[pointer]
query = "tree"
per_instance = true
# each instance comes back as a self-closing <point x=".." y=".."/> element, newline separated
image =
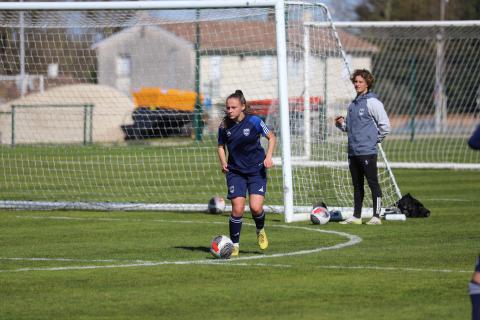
<point x="457" y="51"/>
<point x="402" y="10"/>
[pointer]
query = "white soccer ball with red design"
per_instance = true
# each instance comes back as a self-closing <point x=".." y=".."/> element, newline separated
<point x="216" y="205"/>
<point x="221" y="247"/>
<point x="319" y="215"/>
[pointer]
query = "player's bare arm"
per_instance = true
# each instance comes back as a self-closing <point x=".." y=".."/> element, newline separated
<point x="222" y="157"/>
<point x="272" y="140"/>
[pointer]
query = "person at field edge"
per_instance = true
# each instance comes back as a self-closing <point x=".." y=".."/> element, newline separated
<point x="474" y="289"/>
<point x="366" y="124"/>
<point x="245" y="169"/>
<point x="474" y="141"/>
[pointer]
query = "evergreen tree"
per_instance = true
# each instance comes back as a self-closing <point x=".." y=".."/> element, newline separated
<point x="408" y="10"/>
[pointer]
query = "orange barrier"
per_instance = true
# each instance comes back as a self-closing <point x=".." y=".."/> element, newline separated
<point x="158" y="98"/>
<point x="267" y="106"/>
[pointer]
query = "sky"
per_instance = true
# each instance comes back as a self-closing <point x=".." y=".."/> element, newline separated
<point x="342" y="10"/>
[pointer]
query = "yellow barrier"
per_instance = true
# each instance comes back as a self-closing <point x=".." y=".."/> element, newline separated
<point x="155" y="98"/>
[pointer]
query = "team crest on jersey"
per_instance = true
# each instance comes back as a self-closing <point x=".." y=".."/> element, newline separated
<point x="246" y="132"/>
<point x="229" y="133"/>
<point x="361" y="111"/>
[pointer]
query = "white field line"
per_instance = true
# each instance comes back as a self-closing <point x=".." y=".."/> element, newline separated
<point x="449" y="200"/>
<point x="408" y="269"/>
<point x="232" y="263"/>
<point x="72" y="260"/>
<point x="146" y="264"/>
<point x="352" y="240"/>
<point x="394" y="269"/>
<point x="235" y="262"/>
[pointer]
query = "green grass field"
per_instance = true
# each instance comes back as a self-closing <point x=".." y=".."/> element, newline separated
<point x="170" y="170"/>
<point x="146" y="265"/>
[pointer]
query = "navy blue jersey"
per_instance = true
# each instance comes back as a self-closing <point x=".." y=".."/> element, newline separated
<point x="245" y="154"/>
<point x="474" y="141"/>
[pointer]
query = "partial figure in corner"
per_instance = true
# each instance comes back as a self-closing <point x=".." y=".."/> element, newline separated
<point x="474" y="290"/>
<point x="474" y="141"/>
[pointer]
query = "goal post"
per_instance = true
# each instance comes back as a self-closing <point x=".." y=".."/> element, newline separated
<point x="141" y="64"/>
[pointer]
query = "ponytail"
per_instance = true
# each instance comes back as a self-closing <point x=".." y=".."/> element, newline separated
<point x="238" y="94"/>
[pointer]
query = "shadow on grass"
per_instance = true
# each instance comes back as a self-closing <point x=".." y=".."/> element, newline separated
<point x="199" y="248"/>
<point x="207" y="249"/>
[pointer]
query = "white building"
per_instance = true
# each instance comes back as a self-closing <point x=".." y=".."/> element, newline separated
<point x="145" y="56"/>
<point x="234" y="55"/>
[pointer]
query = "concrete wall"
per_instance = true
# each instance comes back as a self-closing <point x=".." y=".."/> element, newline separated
<point x="251" y="76"/>
<point x="45" y="125"/>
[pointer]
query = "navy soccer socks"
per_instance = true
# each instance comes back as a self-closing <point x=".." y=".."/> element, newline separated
<point x="259" y="221"/>
<point x="235" y="225"/>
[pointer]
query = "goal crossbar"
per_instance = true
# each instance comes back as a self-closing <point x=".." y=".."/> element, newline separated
<point x="399" y="24"/>
<point x="136" y="5"/>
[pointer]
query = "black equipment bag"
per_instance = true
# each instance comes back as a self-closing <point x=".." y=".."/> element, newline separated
<point x="411" y="207"/>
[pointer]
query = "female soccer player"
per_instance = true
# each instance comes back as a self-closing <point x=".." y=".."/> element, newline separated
<point x="246" y="167"/>
<point x="366" y="124"/>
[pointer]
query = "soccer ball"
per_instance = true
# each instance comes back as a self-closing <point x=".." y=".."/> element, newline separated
<point x="319" y="215"/>
<point x="221" y="247"/>
<point x="216" y="205"/>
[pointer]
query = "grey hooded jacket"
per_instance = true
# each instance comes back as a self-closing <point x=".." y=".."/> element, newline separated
<point x="366" y="124"/>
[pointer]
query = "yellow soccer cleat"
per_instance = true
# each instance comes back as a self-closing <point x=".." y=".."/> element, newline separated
<point x="262" y="239"/>
<point x="374" y="221"/>
<point x="351" y="220"/>
<point x="235" y="251"/>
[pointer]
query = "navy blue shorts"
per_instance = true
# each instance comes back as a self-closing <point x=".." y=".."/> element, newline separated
<point x="239" y="183"/>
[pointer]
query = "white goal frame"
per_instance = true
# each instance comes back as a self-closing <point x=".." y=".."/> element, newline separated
<point x="279" y="7"/>
<point x="283" y="99"/>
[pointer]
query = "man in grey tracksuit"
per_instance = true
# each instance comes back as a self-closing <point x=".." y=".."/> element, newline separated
<point x="366" y="125"/>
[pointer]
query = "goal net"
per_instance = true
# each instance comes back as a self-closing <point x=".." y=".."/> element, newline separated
<point x="131" y="100"/>
<point x="426" y="74"/>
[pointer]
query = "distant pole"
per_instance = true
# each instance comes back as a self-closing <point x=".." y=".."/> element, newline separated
<point x="324" y="104"/>
<point x="306" y="94"/>
<point x="197" y="121"/>
<point x="440" y="98"/>
<point x="22" y="54"/>
<point x="413" y="96"/>
<point x="443" y="5"/>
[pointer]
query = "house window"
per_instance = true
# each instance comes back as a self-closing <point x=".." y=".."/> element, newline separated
<point x="294" y="67"/>
<point x="123" y="70"/>
<point x="215" y="67"/>
<point x="215" y="75"/>
<point x="267" y="66"/>
<point x="123" y="65"/>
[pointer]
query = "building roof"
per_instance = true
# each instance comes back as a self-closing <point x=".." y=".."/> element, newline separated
<point x="252" y="37"/>
<point x="131" y="32"/>
<point x="259" y="36"/>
